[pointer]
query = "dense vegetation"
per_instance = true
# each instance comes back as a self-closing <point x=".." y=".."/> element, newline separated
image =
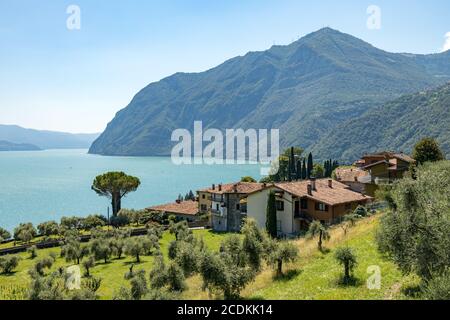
<point x="397" y="125"/>
<point x="305" y="89"/>
<point x="416" y="231"/>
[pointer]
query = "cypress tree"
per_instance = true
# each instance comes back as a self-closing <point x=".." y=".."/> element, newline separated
<point x="310" y="165"/>
<point x="304" y="169"/>
<point x="271" y="216"/>
<point x="298" y="170"/>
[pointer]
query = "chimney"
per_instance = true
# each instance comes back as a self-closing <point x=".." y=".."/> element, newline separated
<point x="264" y="184"/>
<point x="178" y="201"/>
<point x="313" y="184"/>
<point x="356" y="179"/>
<point x="214" y="186"/>
<point x="220" y="187"/>
<point x="235" y="190"/>
<point x="330" y="183"/>
<point x="309" y="189"/>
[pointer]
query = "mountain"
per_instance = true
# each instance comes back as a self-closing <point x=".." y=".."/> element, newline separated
<point x="396" y="125"/>
<point x="9" y="146"/>
<point x="46" y="139"/>
<point x="305" y="89"/>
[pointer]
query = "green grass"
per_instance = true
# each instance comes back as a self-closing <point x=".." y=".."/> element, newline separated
<point x="112" y="273"/>
<point x="316" y="275"/>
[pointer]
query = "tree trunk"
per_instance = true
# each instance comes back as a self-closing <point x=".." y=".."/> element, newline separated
<point x="279" y="267"/>
<point x="138" y="258"/>
<point x="347" y="271"/>
<point x="320" y="240"/>
<point x="116" y="203"/>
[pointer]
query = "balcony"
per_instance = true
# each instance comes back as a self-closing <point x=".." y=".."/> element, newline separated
<point x="302" y="215"/>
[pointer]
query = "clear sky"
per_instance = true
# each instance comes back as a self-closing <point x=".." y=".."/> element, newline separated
<point x="76" y="80"/>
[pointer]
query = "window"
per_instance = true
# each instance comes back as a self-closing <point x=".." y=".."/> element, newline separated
<point x="304" y="204"/>
<point x="321" y="206"/>
<point x="279" y="225"/>
<point x="280" y="205"/>
<point x="217" y="207"/>
<point x="203" y="207"/>
<point x="203" y="196"/>
<point x="238" y="206"/>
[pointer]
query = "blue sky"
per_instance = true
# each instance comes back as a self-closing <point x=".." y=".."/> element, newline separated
<point x="76" y="80"/>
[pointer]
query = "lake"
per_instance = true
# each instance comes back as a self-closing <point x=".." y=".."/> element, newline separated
<point x="38" y="186"/>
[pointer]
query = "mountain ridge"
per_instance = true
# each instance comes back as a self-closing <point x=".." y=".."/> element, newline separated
<point x="397" y="125"/>
<point x="305" y="89"/>
<point x="45" y="139"/>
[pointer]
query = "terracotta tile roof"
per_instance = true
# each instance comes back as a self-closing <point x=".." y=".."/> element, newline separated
<point x="338" y="194"/>
<point x="350" y="174"/>
<point x="404" y="157"/>
<point x="188" y="207"/>
<point x="239" y="187"/>
<point x="389" y="155"/>
<point x="377" y="163"/>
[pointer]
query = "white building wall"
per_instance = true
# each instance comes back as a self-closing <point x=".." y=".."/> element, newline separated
<point x="257" y="207"/>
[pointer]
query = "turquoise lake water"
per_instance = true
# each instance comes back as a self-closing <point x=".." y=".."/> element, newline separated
<point x="46" y="185"/>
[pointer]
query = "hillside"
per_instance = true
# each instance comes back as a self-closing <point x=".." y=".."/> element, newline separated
<point x="314" y="275"/>
<point x="9" y="146"/>
<point x="397" y="125"/>
<point x="45" y="139"/>
<point x="305" y="89"/>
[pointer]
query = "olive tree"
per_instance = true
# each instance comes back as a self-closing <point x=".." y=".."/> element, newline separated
<point x="48" y="228"/>
<point x="25" y="232"/>
<point x="74" y="250"/>
<point x="414" y="233"/>
<point x="88" y="264"/>
<point x="347" y="259"/>
<point x="317" y="229"/>
<point x="135" y="247"/>
<point x="42" y="264"/>
<point x="281" y="252"/>
<point x="4" y="234"/>
<point x="8" y="263"/>
<point x="101" y="249"/>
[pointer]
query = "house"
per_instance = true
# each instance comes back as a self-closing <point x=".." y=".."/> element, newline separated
<point x="183" y="210"/>
<point x="299" y="203"/>
<point x="227" y="204"/>
<point x="382" y="168"/>
<point x="352" y="177"/>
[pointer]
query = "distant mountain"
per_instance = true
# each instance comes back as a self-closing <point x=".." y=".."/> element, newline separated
<point x="396" y="125"/>
<point x="305" y="89"/>
<point x="46" y="139"/>
<point x="9" y="146"/>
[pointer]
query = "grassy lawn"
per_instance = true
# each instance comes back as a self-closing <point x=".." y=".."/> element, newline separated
<point x="314" y="276"/>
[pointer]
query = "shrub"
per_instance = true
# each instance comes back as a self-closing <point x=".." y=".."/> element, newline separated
<point x="32" y="251"/>
<point x="414" y="234"/>
<point x="48" y="228"/>
<point x="43" y="263"/>
<point x="25" y="232"/>
<point x="438" y="288"/>
<point x="4" y="234"/>
<point x="8" y="263"/>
